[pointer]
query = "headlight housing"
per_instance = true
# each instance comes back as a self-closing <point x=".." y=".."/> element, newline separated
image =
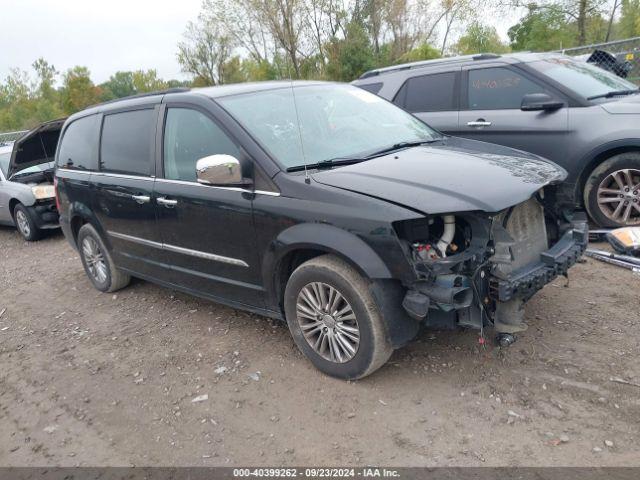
<point x="43" y="191"/>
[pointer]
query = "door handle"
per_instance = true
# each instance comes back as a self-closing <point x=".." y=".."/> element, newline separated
<point x="479" y="123"/>
<point x="166" y="202"/>
<point x="141" y="198"/>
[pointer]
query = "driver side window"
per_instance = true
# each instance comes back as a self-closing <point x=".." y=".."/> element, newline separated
<point x="498" y="88"/>
<point x="189" y="135"/>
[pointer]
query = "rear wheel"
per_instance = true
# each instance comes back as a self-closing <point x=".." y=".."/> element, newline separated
<point x="612" y="193"/>
<point x="25" y="223"/>
<point x="334" y="319"/>
<point x="97" y="262"/>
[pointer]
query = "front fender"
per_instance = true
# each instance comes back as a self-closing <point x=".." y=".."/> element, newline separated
<point x="327" y="238"/>
<point x="20" y="192"/>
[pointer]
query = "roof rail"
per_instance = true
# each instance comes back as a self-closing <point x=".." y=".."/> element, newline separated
<point x="486" y="56"/>
<point x="148" y="94"/>
<point x="424" y="63"/>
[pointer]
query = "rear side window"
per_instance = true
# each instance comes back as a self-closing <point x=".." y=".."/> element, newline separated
<point x="371" y="87"/>
<point x="498" y="88"/>
<point x="429" y="93"/>
<point x="189" y="136"/>
<point x="79" y="145"/>
<point x="127" y="140"/>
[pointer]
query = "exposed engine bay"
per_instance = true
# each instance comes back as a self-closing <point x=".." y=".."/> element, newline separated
<point x="476" y="268"/>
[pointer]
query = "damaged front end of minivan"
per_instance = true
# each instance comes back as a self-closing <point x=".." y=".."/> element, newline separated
<point x="477" y="268"/>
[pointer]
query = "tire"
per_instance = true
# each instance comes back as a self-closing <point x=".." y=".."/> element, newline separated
<point x="25" y="223"/>
<point x="330" y="274"/>
<point x="620" y="173"/>
<point x="97" y="262"/>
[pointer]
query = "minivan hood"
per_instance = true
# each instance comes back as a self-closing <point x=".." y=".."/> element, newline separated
<point x="621" y="105"/>
<point x="35" y="147"/>
<point x="455" y="175"/>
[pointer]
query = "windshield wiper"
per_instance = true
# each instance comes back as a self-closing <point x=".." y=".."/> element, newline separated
<point x="361" y="158"/>
<point x="334" y="162"/>
<point x="614" y="93"/>
<point x="399" y="146"/>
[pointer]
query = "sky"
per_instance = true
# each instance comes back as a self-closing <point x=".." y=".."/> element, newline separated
<point x="106" y="35"/>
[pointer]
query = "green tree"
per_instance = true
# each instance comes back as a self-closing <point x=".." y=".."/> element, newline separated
<point x="119" y="85"/>
<point x="480" y="38"/>
<point x="629" y="25"/>
<point x="78" y="91"/>
<point x="46" y="99"/>
<point x="351" y="56"/>
<point x="421" y="52"/>
<point x="542" y="30"/>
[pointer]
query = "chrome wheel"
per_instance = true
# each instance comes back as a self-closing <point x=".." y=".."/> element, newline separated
<point x="328" y="322"/>
<point x="23" y="223"/>
<point x="94" y="259"/>
<point x="619" y="196"/>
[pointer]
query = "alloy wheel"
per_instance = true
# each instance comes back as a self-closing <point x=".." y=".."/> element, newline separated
<point x="619" y="196"/>
<point x="23" y="223"/>
<point x="94" y="259"/>
<point x="328" y="322"/>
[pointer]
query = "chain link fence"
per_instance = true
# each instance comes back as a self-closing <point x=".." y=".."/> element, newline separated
<point x="10" y="137"/>
<point x="621" y="57"/>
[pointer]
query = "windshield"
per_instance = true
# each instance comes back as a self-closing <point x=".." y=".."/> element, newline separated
<point x="4" y="163"/>
<point x="583" y="78"/>
<point x="336" y="121"/>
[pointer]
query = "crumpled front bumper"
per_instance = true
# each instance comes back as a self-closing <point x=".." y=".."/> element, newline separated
<point x="45" y="214"/>
<point x="526" y="281"/>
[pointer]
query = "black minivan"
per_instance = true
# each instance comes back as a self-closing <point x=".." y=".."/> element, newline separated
<point x="317" y="203"/>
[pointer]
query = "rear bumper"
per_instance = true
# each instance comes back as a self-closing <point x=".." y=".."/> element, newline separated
<point x="526" y="281"/>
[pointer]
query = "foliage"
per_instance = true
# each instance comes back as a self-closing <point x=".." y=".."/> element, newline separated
<point x="542" y="30"/>
<point x="630" y="19"/>
<point x="253" y="40"/>
<point x="480" y="38"/>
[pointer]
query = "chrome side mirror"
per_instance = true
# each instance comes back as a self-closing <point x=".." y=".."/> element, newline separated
<point x="223" y="170"/>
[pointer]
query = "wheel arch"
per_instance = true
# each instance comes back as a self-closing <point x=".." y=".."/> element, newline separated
<point x="599" y="155"/>
<point x="12" y="206"/>
<point x="302" y="242"/>
<point x="79" y="215"/>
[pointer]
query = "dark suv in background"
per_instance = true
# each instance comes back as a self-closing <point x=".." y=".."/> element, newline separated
<point x="317" y="203"/>
<point x="580" y="116"/>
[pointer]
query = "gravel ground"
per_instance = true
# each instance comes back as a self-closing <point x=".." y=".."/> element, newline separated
<point x="100" y="379"/>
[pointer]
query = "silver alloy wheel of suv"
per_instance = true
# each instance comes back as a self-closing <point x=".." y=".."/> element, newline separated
<point x="619" y="196"/>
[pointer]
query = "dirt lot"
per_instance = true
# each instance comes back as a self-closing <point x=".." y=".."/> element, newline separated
<point x="98" y="379"/>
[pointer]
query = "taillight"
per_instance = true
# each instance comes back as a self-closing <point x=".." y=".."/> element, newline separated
<point x="55" y="189"/>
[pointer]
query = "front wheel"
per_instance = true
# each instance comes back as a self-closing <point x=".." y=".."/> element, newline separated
<point x="25" y="224"/>
<point x="334" y="319"/>
<point x="612" y="192"/>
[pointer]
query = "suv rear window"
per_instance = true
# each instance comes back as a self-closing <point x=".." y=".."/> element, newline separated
<point x="78" y="149"/>
<point x="126" y="143"/>
<point x="498" y="88"/>
<point x="428" y="93"/>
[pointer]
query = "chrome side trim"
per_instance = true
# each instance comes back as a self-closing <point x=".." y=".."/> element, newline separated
<point x="232" y="189"/>
<point x="176" y="249"/>
<point x="108" y="174"/>
<point x="205" y="255"/>
<point x="166" y="180"/>
<point x="121" y="175"/>
<point x="84" y="172"/>
<point x="131" y="238"/>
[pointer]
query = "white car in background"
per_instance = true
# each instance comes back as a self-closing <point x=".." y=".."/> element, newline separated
<point x="27" y="195"/>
